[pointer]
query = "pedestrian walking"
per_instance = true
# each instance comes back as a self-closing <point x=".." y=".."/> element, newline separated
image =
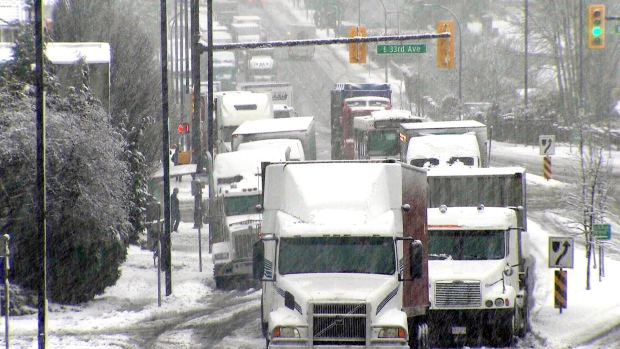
<point x="175" y="210"/>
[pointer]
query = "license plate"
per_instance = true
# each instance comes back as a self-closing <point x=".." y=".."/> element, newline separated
<point x="459" y="330"/>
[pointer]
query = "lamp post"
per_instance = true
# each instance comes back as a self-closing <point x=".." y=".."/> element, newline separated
<point x="460" y="56"/>
<point x="385" y="33"/>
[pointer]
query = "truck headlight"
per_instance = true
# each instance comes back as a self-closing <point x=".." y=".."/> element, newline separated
<point x="392" y="332"/>
<point x="223" y="255"/>
<point x="285" y="332"/>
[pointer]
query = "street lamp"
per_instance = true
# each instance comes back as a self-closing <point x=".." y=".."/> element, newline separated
<point x="460" y="56"/>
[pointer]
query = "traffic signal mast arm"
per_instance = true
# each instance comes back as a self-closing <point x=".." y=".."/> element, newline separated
<point x="311" y="42"/>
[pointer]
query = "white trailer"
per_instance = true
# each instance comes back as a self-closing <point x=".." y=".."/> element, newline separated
<point x="479" y="260"/>
<point x="342" y="257"/>
<point x="281" y="92"/>
<point x="301" y="128"/>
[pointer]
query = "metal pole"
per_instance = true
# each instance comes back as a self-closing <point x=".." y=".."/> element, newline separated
<point x="385" y="33"/>
<point x="7" y="296"/>
<point x="196" y="122"/>
<point x="526" y="34"/>
<point x="187" y="41"/>
<point x="166" y="252"/>
<point x="41" y="256"/>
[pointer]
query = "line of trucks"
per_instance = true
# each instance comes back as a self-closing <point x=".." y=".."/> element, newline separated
<point x="376" y="250"/>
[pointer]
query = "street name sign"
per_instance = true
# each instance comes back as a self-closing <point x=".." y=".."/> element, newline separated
<point x="383" y="49"/>
<point x="601" y="231"/>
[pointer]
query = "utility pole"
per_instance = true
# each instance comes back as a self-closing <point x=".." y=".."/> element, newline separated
<point x="41" y="255"/>
<point x="196" y="122"/>
<point x="166" y="250"/>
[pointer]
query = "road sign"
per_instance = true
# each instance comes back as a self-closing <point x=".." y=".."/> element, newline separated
<point x="561" y="289"/>
<point x="561" y="252"/>
<point x="601" y="231"/>
<point x="405" y="48"/>
<point x="546" y="144"/>
<point x="617" y="29"/>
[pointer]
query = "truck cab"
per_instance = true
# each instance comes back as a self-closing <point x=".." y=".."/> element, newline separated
<point x="232" y="108"/>
<point x="444" y="150"/>
<point x="479" y="256"/>
<point x="339" y="258"/>
<point x="356" y="107"/>
<point x="232" y="212"/>
<point x="301" y="31"/>
<point x="261" y="65"/>
<point x="475" y="259"/>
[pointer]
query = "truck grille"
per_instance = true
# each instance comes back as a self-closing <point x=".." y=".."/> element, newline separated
<point x="339" y="324"/>
<point x="243" y="242"/>
<point x="457" y="294"/>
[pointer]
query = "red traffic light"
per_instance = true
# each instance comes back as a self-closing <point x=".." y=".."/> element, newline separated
<point x="183" y="127"/>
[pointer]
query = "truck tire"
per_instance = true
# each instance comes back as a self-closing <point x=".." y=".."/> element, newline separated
<point x="420" y="337"/>
<point x="504" y="336"/>
<point x="221" y="282"/>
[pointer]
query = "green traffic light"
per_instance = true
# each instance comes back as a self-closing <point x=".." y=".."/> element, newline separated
<point x="596" y="31"/>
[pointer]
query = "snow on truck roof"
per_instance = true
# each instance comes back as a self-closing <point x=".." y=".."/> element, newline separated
<point x="488" y="171"/>
<point x="464" y="218"/>
<point x="464" y="144"/>
<point x="347" y="194"/>
<point x="443" y="124"/>
<point x="246" y="161"/>
<point x="274" y="125"/>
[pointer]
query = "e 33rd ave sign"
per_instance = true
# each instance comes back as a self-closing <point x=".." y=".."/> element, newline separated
<point x="405" y="48"/>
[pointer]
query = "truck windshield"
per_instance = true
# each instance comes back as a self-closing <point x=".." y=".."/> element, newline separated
<point x="383" y="143"/>
<point x="238" y="205"/>
<point x="466" y="244"/>
<point x="367" y="255"/>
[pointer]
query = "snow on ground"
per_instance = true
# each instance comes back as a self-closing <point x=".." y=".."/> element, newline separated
<point x="135" y="297"/>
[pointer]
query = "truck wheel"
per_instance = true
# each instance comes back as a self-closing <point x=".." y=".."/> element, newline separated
<point x="420" y="338"/>
<point x="524" y="313"/>
<point x="220" y="282"/>
<point x="505" y="332"/>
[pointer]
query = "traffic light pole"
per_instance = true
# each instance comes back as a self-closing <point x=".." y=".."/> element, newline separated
<point x="166" y="252"/>
<point x="196" y="100"/>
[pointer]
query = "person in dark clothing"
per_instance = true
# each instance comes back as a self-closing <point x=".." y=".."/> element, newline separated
<point x="175" y="211"/>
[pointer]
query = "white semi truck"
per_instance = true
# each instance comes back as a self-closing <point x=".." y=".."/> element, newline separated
<point x="261" y="64"/>
<point x="342" y="256"/>
<point x="479" y="260"/>
<point x="444" y="143"/>
<point x="232" y="213"/>
<point x="232" y="108"/>
<point x="301" y="128"/>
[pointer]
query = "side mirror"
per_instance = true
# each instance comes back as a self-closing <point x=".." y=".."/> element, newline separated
<point x="258" y="260"/>
<point x="415" y="259"/>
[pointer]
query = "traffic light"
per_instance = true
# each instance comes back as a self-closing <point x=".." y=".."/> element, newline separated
<point x="357" y="50"/>
<point x="183" y="127"/>
<point x="445" y="46"/>
<point x="596" y="26"/>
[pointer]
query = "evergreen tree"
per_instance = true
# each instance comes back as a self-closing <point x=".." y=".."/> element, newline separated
<point x="87" y="220"/>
